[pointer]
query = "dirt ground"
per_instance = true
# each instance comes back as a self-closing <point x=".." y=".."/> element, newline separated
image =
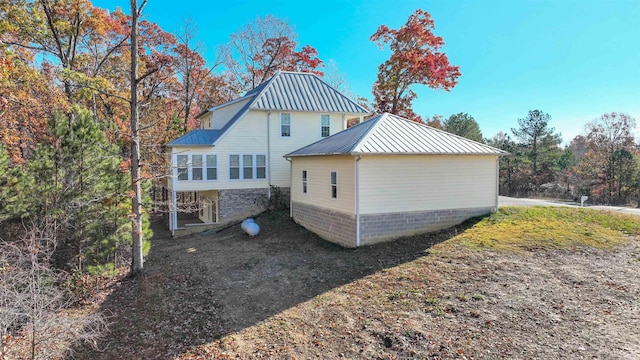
<point x="288" y="294"/>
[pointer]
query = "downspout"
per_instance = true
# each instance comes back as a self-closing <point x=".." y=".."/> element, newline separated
<point x="290" y="187"/>
<point x="357" y="192"/>
<point x="269" y="154"/>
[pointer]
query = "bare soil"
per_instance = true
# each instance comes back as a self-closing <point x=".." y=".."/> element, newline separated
<point x="288" y="294"/>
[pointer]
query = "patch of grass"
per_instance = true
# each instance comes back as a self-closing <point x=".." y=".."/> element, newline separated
<point x="547" y="228"/>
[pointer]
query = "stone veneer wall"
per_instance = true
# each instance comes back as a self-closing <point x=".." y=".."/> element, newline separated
<point x="330" y="225"/>
<point x="381" y="227"/>
<point x="237" y="204"/>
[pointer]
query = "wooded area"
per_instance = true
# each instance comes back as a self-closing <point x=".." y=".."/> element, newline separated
<point x="84" y="120"/>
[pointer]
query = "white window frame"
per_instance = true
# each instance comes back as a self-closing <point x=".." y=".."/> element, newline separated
<point x="334" y="186"/>
<point x="178" y="167"/>
<point x="323" y="126"/>
<point x="305" y="178"/>
<point x="282" y="124"/>
<point x="254" y="167"/>
<point x="204" y="166"/>
<point x="193" y="167"/>
<point x="255" y="162"/>
<point x="208" y="166"/>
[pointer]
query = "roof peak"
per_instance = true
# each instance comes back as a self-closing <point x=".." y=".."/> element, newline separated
<point x="387" y="133"/>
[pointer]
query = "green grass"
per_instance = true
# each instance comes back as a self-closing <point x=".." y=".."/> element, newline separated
<point x="547" y="228"/>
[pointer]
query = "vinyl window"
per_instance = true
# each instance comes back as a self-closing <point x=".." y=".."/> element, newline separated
<point x="234" y="167"/>
<point x="183" y="167"/>
<point x="261" y="166"/>
<point x="247" y="166"/>
<point x="285" y="124"/>
<point x="304" y="181"/>
<point x="212" y="167"/>
<point x="325" y="125"/>
<point x="334" y="185"/>
<point x="196" y="167"/>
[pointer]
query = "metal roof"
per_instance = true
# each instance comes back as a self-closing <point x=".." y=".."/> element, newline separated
<point x="285" y="91"/>
<point x="391" y="134"/>
<point x="198" y="137"/>
<point x="297" y="91"/>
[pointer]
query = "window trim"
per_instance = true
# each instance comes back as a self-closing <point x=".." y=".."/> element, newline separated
<point x="193" y="167"/>
<point x="328" y="126"/>
<point x="254" y="166"/>
<point x="207" y="166"/>
<point x="178" y="167"/>
<point x="334" y="186"/>
<point x="281" y="125"/>
<point x="304" y="181"/>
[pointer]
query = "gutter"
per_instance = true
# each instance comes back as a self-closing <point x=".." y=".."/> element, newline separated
<point x="357" y="199"/>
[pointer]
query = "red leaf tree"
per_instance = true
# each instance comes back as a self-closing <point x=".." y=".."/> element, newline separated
<point x="416" y="58"/>
<point x="263" y="47"/>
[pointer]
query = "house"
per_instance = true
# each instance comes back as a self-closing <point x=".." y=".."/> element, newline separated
<point x="390" y="177"/>
<point x="220" y="172"/>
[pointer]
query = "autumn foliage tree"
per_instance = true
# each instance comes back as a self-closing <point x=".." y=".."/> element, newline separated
<point x="610" y="163"/>
<point x="416" y="58"/>
<point x="268" y="44"/>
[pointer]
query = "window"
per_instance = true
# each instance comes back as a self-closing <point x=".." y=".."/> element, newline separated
<point x="253" y="166"/>
<point x="304" y="181"/>
<point x="261" y="166"/>
<point x="183" y="167"/>
<point x="234" y="166"/>
<point x="334" y="185"/>
<point x="196" y="167"/>
<point x="285" y="124"/>
<point x="212" y="167"/>
<point x="247" y="166"/>
<point x="325" y="125"/>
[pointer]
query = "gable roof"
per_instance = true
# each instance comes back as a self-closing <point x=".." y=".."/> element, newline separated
<point x="296" y="91"/>
<point x="284" y="91"/>
<point x="391" y="134"/>
<point x="198" y="137"/>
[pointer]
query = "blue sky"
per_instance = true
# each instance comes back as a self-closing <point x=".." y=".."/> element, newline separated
<point x="574" y="59"/>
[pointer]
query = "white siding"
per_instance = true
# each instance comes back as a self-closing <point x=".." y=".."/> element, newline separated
<point x="403" y="183"/>
<point x="249" y="136"/>
<point x="206" y="121"/>
<point x="222" y="115"/>
<point x="246" y="137"/>
<point x="319" y="170"/>
<point x="305" y="129"/>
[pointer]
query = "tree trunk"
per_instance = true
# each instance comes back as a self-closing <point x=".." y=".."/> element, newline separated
<point x="136" y="200"/>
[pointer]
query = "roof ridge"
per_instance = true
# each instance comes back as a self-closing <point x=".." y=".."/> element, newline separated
<point x="447" y="133"/>
<point x="340" y="93"/>
<point x="367" y="133"/>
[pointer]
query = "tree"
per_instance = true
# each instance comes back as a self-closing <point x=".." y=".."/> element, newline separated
<point x="135" y="167"/>
<point x="192" y="71"/>
<point x="611" y="157"/>
<point x="435" y="122"/>
<point x="509" y="164"/>
<point x="416" y="58"/>
<point x="464" y="125"/>
<point x="263" y="47"/>
<point x="536" y="135"/>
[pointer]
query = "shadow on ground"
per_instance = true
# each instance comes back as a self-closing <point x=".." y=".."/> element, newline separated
<point x="198" y="289"/>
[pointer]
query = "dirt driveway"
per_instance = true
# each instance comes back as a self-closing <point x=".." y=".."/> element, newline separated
<point x="288" y="294"/>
